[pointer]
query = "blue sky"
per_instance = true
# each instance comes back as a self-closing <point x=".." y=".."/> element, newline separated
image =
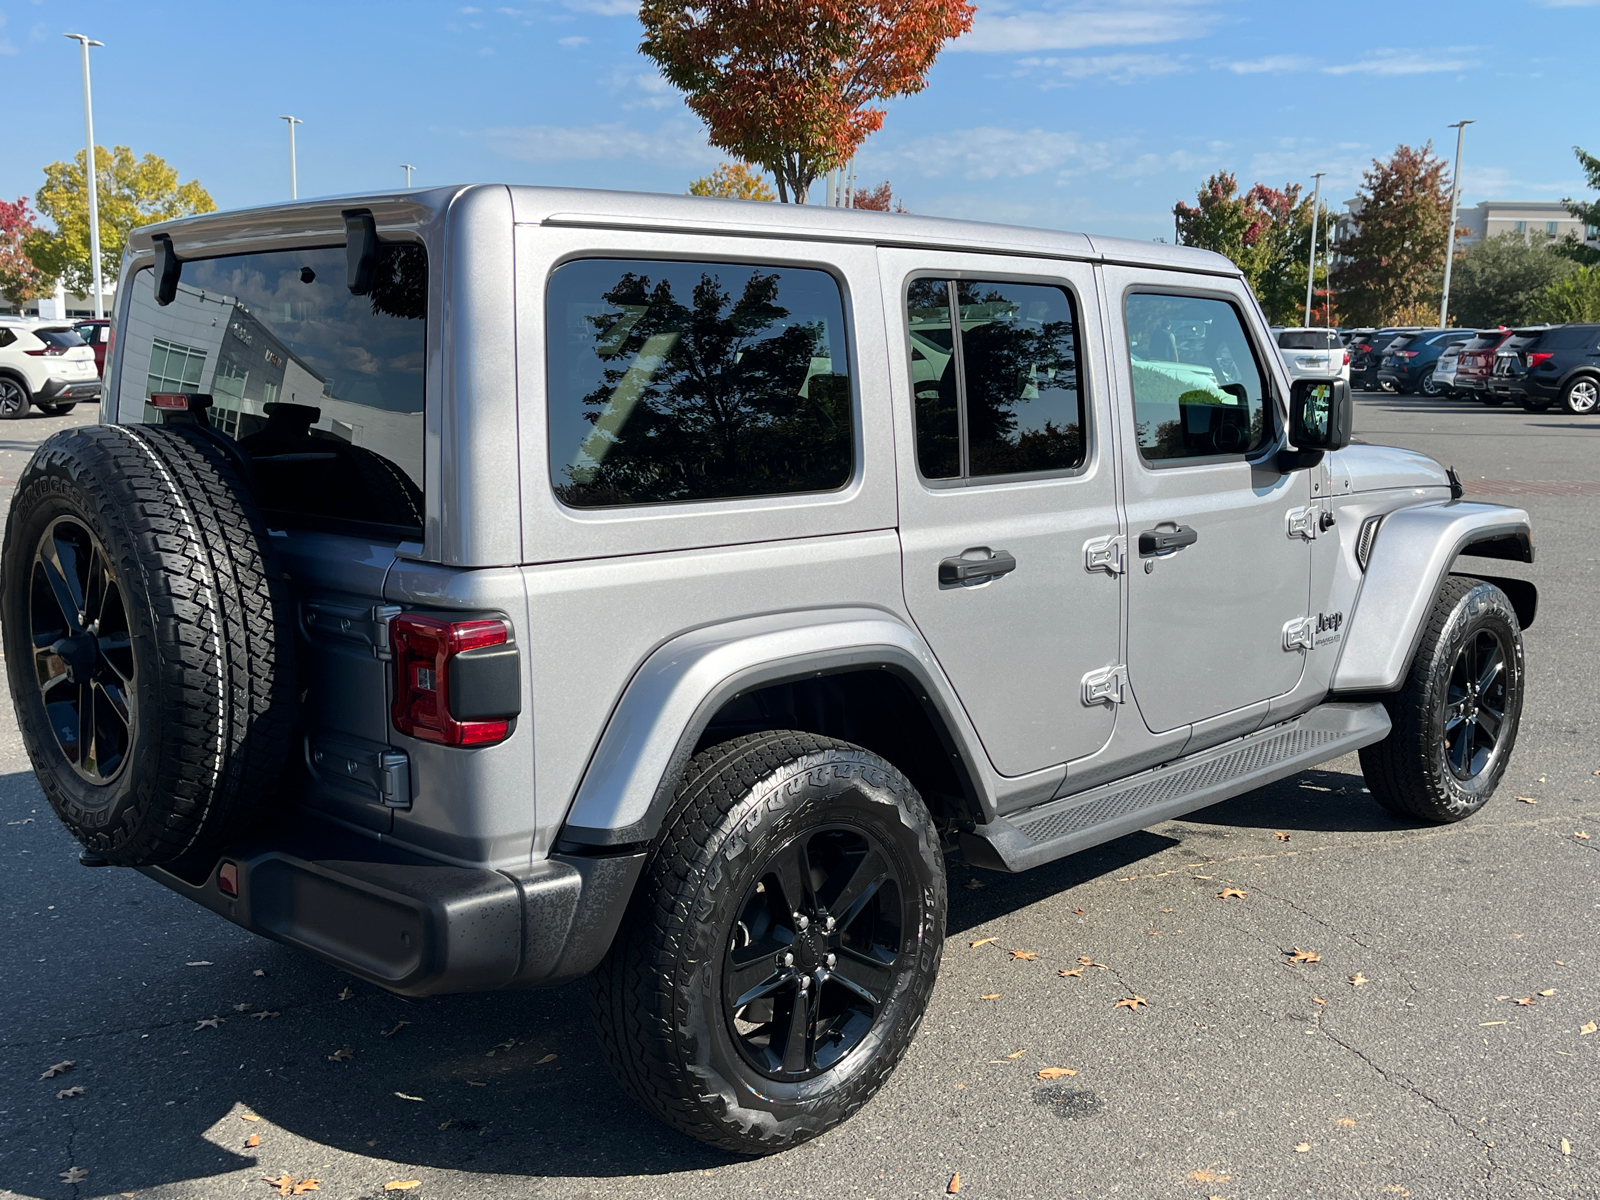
<point x="1074" y="114"/>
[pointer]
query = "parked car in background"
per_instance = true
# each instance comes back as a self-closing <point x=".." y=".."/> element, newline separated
<point x="1365" y="353"/>
<point x="1505" y="382"/>
<point x="1476" y="361"/>
<point x="1351" y="336"/>
<point x="96" y="331"/>
<point x="1308" y="353"/>
<point x="1408" y="361"/>
<point x="1444" y="371"/>
<point x="49" y="367"/>
<point x="1537" y="368"/>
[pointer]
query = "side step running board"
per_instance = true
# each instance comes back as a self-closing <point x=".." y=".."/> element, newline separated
<point x="1060" y="827"/>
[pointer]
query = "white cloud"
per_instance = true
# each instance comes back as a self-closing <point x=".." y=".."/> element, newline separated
<point x="1272" y="64"/>
<point x="673" y="143"/>
<point x="1392" y="62"/>
<point x="1117" y="68"/>
<point x="1001" y="29"/>
<point x="568" y="42"/>
<point x="604" y="8"/>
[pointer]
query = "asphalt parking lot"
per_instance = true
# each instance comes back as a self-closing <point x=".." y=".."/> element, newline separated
<point x="1433" y="1048"/>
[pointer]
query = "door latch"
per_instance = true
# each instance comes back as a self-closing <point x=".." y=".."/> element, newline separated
<point x="1105" y="686"/>
<point x="1303" y="522"/>
<point x="1299" y="634"/>
<point x="1105" y="554"/>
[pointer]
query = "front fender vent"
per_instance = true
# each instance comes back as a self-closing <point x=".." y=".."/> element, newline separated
<point x="1366" y="538"/>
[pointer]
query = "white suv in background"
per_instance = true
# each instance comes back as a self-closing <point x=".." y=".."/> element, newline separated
<point x="47" y="365"/>
<point x="1308" y="353"/>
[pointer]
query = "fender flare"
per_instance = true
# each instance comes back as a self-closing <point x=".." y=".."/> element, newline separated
<point x="670" y="700"/>
<point x="1413" y="555"/>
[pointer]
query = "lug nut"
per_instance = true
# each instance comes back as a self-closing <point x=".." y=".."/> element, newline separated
<point x="831" y="960"/>
<point x="803" y="922"/>
<point x="829" y="925"/>
<point x="805" y="983"/>
<point x="788" y="960"/>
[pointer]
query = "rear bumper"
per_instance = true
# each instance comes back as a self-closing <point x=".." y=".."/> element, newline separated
<point x="68" y="391"/>
<point x="415" y="926"/>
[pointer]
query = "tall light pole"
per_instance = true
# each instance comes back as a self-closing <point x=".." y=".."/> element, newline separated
<point x="408" y="169"/>
<point x="1311" y="267"/>
<point x="294" y="183"/>
<point x="1450" y="239"/>
<point x="90" y="178"/>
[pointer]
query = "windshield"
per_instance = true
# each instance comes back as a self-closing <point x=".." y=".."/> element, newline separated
<point x="1308" y="339"/>
<point x="324" y="389"/>
<point x="61" y="339"/>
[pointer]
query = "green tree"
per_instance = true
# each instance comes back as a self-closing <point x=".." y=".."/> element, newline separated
<point x="733" y="181"/>
<point x="1572" y="245"/>
<point x="1265" y="231"/>
<point x="1394" y="264"/>
<point x="1502" y="280"/>
<point x="21" y="279"/>
<point x="132" y="192"/>
<point x="1575" y="298"/>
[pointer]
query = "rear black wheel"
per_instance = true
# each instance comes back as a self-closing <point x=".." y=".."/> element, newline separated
<point x="1454" y="722"/>
<point x="14" y="398"/>
<point x="58" y="410"/>
<point x="781" y="947"/>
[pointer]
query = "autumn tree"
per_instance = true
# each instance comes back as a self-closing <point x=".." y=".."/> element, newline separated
<point x="790" y="84"/>
<point x="1393" y="265"/>
<point x="132" y="192"/>
<point x="878" y="199"/>
<point x="20" y="279"/>
<point x="1589" y="213"/>
<point x="733" y="181"/>
<point x="1265" y="231"/>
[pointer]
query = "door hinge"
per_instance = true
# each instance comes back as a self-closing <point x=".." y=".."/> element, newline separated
<point x="1105" y="686"/>
<point x="1303" y="521"/>
<point x="1299" y="634"/>
<point x="380" y="776"/>
<point x="381" y="616"/>
<point x="1105" y="554"/>
<point x="348" y="623"/>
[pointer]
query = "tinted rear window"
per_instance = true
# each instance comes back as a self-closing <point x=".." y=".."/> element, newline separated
<point x="675" y="381"/>
<point x="1400" y="343"/>
<point x="322" y="388"/>
<point x="1572" y="337"/>
<point x="1484" y="341"/>
<point x="1308" y="339"/>
<point x="63" y="339"/>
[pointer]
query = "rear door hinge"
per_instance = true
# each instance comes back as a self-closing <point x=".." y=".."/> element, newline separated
<point x="382" y="614"/>
<point x="1108" y="685"/>
<point x="1303" y="521"/>
<point x="1105" y="554"/>
<point x="1299" y="634"/>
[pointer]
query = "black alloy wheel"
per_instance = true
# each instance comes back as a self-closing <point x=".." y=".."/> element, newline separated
<point x="815" y="953"/>
<point x="13" y="399"/>
<point x="1475" y="705"/>
<point x="82" y="651"/>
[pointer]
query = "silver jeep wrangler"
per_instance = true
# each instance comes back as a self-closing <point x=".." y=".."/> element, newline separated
<point x="485" y="587"/>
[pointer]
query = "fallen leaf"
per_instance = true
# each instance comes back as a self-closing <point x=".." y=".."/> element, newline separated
<point x="1502" y="997"/>
<point x="343" y="1054"/>
<point x="983" y="942"/>
<point x="1077" y="912"/>
<point x="1076" y="972"/>
<point x="1346" y="1123"/>
<point x="1306" y="956"/>
<point x="1089" y="962"/>
<point x="1166" y="910"/>
<point x="259" y="973"/>
<point x="403" y="1096"/>
<point x="264" y="1014"/>
<point x="74" y="1175"/>
<point x="1282" y="837"/>
<point x="1231" y="893"/>
<point x="1523" y="1002"/>
<point x="1055" y="1072"/>
<point x="1318" y="1000"/>
<point x="251" y="1142"/>
<point x="508" y="1044"/>
<point x="1548" y="992"/>
<point x="1486" y="1024"/>
<point x="202" y="963"/>
<point x="1132" y="1002"/>
<point x="306" y="1185"/>
<point x="1587" y="1028"/>
<point x="1302" y="1147"/>
<point x="241" y="1008"/>
<point x="1581" y="835"/>
<point x="248" y="1117"/>
<point x="1016" y="1054"/>
<point x="1206" y="1175"/>
<point x="972" y="884"/>
<point x="1566" y="1147"/>
<point x="1359" y="980"/>
<point x="955" y="1184"/>
<point x="71" y="1091"/>
<point x="60" y="1068"/>
<point x="447" y="1122"/>
<point x="347" y="994"/>
<point x="1025" y="955"/>
<point x="210" y="1023"/>
<point x="548" y="1058"/>
<point x="1527" y="799"/>
<point x="282" y="1183"/>
<point x="475" y="1083"/>
<point x="990" y="996"/>
<point x="402" y="1185"/>
<point x="398" y="1026"/>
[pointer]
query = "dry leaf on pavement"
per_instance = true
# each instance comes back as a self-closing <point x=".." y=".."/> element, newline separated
<point x="248" y="1117"/>
<point x="347" y="994"/>
<point x="990" y="996"/>
<point x="548" y="1058"/>
<point x="264" y="1014"/>
<point x="343" y="1054"/>
<point x="241" y="1008"/>
<point x="64" y="1093"/>
<point x="414" y="1099"/>
<point x="259" y="973"/>
<point x="1085" y="961"/>
<point x="1132" y="1002"/>
<point x="972" y="885"/>
<point x="1077" y="912"/>
<point x="74" y="1175"/>
<point x="1016" y="1054"/>
<point x="1076" y="972"/>
<point x="1566" y="1147"/>
<point x="1548" y="992"/>
<point x="1319" y="1000"/>
<point x="1527" y="799"/>
<point x="210" y="1023"/>
<point x="1302" y="1147"/>
<point x="1587" y="1028"/>
<point x="1282" y="837"/>
<point x="1523" y="1002"/>
<point x="251" y="1142"/>
<point x="402" y="1185"/>
<point x="982" y="942"/>
<point x="60" y="1068"/>
<point x="1581" y="834"/>
<point x="398" y="1026"/>
<point x="955" y="1184"/>
<point x="1055" y="1072"/>
<point x="1231" y="893"/>
<point x="204" y="962"/>
<point x="1306" y="956"/>
<point x="1025" y="955"/>
<point x="1358" y="979"/>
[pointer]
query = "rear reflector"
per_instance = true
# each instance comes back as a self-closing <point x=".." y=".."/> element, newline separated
<point x="180" y="401"/>
<point x="228" y="879"/>
<point x="424" y="648"/>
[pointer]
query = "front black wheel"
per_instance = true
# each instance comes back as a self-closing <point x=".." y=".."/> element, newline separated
<point x="782" y="945"/>
<point x="1455" y="720"/>
<point x="57" y="410"/>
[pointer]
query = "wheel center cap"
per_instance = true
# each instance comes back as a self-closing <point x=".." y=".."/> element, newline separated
<point x="79" y="653"/>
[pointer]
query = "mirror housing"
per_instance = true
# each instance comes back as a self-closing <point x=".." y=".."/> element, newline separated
<point x="168" y="267"/>
<point x="1320" y="412"/>
<point x="360" y="250"/>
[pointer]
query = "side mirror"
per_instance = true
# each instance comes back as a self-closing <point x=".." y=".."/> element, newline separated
<point x="1320" y="412"/>
<point x="167" y="269"/>
<point x="360" y="250"/>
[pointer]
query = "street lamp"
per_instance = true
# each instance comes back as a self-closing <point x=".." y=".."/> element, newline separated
<point x="408" y="169"/>
<point x="1311" y="268"/>
<point x="90" y="178"/>
<point x="294" y="184"/>
<point x="1450" y="239"/>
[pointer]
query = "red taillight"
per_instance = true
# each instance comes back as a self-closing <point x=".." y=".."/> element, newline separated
<point x="1347" y="358"/>
<point x="1535" y="359"/>
<point x="423" y="648"/>
<point x="47" y="352"/>
<point x="1364" y="348"/>
<point x="1406" y="353"/>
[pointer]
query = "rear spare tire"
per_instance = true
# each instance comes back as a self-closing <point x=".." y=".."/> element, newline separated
<point x="148" y="640"/>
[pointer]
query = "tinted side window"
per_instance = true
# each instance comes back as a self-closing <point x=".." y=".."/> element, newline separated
<point x="1197" y="390"/>
<point x="673" y="381"/>
<point x="997" y="391"/>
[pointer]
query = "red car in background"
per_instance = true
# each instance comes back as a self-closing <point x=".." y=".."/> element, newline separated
<point x="97" y="333"/>
<point x="1476" y="364"/>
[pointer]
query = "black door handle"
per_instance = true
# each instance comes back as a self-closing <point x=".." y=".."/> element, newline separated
<point x="1156" y="541"/>
<point x="968" y="570"/>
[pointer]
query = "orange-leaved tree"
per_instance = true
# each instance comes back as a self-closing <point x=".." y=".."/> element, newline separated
<point x="789" y="84"/>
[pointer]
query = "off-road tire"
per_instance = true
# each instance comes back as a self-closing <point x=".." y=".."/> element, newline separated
<point x="658" y="996"/>
<point x="1581" y="397"/>
<point x="209" y="634"/>
<point x="1407" y="772"/>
